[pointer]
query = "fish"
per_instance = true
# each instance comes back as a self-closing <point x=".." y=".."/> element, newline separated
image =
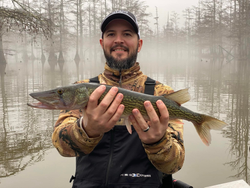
<point x="76" y="97"/>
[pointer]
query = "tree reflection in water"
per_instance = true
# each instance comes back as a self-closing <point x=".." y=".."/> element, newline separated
<point x="225" y="91"/>
<point x="221" y="90"/>
<point x="25" y="134"/>
<point x="238" y="131"/>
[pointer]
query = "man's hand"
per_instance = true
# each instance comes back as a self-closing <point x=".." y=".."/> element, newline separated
<point x="100" y="118"/>
<point x="157" y="125"/>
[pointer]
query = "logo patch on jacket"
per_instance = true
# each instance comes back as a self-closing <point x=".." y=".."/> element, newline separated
<point x="136" y="175"/>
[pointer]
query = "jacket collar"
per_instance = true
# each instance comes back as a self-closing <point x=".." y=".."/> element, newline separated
<point x="125" y="75"/>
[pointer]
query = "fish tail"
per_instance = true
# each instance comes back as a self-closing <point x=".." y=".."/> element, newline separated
<point x="128" y="125"/>
<point x="206" y="125"/>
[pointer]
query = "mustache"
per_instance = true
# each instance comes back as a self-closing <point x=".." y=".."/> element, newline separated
<point x="121" y="46"/>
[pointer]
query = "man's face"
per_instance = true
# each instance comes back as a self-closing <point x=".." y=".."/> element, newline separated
<point x="120" y="44"/>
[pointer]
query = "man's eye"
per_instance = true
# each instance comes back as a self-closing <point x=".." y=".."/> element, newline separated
<point x="110" y="34"/>
<point x="127" y="34"/>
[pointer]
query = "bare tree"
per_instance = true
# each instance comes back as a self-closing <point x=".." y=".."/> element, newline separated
<point x="21" y="19"/>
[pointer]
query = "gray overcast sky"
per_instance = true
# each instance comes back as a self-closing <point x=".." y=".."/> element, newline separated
<point x="165" y="6"/>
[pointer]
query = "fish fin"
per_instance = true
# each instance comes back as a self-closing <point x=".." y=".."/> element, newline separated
<point x="128" y="125"/>
<point x="176" y="121"/>
<point x="180" y="96"/>
<point x="207" y="124"/>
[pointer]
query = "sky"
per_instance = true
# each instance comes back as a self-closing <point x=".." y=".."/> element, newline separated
<point x="164" y="8"/>
<point x="167" y="6"/>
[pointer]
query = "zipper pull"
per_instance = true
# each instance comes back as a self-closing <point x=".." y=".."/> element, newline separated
<point x="120" y="81"/>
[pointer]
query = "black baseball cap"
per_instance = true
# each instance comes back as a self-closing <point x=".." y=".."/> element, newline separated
<point x="121" y="14"/>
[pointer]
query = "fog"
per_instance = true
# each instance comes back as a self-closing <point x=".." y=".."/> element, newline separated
<point x="200" y="45"/>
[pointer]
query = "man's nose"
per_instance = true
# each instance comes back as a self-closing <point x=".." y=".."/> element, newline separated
<point x="119" y="39"/>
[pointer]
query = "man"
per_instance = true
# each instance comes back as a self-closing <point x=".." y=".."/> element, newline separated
<point x="107" y="155"/>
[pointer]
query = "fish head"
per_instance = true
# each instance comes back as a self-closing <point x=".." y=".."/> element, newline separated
<point x="61" y="98"/>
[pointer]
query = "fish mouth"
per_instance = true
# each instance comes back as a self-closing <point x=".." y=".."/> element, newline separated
<point x="46" y="100"/>
<point x="41" y="105"/>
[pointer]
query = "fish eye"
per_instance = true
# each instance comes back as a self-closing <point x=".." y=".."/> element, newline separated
<point x="60" y="92"/>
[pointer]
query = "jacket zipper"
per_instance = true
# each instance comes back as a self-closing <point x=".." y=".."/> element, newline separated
<point x="110" y="155"/>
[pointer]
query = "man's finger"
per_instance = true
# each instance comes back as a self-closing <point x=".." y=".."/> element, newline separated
<point x="114" y="105"/>
<point x="164" y="115"/>
<point x="117" y="114"/>
<point x="107" y="100"/>
<point x="139" y="121"/>
<point x="135" y="124"/>
<point x="154" y="118"/>
<point x="93" y="98"/>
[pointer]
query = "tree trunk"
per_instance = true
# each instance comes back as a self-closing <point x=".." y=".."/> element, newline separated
<point x="2" y="58"/>
<point x="60" y="57"/>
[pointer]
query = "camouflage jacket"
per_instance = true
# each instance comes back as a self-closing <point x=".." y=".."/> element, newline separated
<point x="70" y="140"/>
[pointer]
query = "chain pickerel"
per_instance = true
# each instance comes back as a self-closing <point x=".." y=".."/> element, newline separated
<point x="76" y="97"/>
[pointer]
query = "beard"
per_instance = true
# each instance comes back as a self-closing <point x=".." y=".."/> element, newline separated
<point x="121" y="64"/>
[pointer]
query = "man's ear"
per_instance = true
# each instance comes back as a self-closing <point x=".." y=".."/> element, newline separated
<point x="140" y="42"/>
<point x="101" y="42"/>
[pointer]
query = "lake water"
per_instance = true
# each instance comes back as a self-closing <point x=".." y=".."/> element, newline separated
<point x="219" y="89"/>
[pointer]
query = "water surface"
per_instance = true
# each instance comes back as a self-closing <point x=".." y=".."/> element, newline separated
<point x="217" y="88"/>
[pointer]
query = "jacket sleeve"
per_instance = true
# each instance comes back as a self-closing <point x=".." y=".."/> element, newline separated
<point x="168" y="154"/>
<point x="69" y="139"/>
